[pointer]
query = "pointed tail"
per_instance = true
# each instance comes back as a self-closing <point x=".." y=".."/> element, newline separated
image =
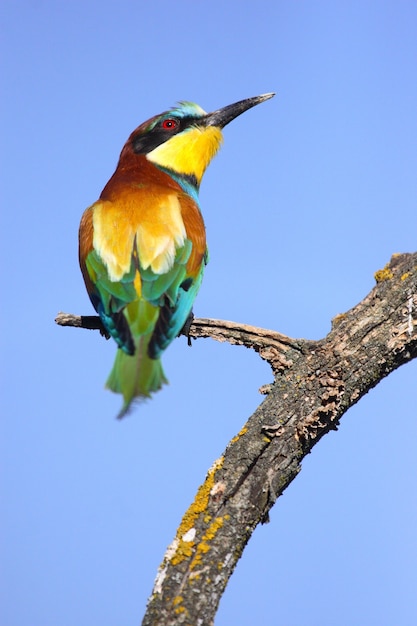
<point x="136" y="376"/>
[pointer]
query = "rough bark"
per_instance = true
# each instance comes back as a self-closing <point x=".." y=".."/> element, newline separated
<point x="315" y="383"/>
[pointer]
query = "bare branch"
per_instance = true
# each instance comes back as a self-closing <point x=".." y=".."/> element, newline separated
<point x="271" y="345"/>
<point x="319" y="383"/>
<point x="315" y="383"/>
<point x="91" y="322"/>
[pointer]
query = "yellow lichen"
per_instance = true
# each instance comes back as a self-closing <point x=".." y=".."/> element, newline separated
<point x="176" y="603"/>
<point x="183" y="551"/>
<point x="180" y="609"/>
<point x="203" y="546"/>
<point x="213" y="528"/>
<point x="385" y="274"/>
<point x="406" y="275"/>
<point x="185" y="548"/>
<point x="337" y="319"/>
<point x="239" y="435"/>
<point x="197" y="560"/>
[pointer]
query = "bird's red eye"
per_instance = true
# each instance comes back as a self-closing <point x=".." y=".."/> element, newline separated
<point x="169" y="124"/>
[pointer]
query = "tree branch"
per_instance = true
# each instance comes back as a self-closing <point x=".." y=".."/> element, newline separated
<point x="315" y="383"/>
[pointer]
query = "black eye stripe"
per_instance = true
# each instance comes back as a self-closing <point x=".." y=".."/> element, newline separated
<point x="148" y="140"/>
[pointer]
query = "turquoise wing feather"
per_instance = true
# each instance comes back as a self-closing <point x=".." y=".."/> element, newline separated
<point x="143" y="321"/>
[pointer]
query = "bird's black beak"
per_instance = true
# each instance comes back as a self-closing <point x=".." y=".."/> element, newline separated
<point x="223" y="116"/>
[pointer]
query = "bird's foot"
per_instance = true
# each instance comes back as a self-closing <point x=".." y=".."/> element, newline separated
<point x="185" y="330"/>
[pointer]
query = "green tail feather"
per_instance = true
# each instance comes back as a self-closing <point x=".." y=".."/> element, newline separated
<point x="135" y="376"/>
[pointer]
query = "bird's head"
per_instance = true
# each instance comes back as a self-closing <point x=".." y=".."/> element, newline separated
<point x="184" y="139"/>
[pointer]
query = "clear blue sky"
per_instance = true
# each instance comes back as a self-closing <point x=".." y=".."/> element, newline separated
<point x="311" y="194"/>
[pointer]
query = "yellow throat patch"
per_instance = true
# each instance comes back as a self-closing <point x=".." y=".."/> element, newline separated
<point x="189" y="152"/>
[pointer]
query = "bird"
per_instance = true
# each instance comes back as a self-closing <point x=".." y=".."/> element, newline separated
<point x="142" y="244"/>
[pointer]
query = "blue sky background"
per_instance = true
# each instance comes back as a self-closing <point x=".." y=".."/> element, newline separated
<point x="311" y="194"/>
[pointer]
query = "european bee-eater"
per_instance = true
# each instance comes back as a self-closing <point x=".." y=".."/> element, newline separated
<point x="142" y="245"/>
